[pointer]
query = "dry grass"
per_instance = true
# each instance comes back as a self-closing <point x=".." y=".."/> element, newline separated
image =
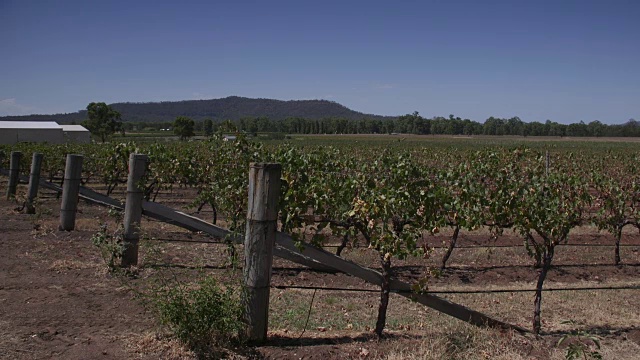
<point x="620" y="349"/>
<point x="462" y="341"/>
<point x="450" y="339"/>
<point x="153" y="344"/>
<point x="441" y="337"/>
<point x="459" y="341"/>
<point x="339" y="310"/>
<point x="65" y="265"/>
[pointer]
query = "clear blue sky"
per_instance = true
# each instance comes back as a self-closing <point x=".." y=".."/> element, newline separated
<point x="561" y="60"/>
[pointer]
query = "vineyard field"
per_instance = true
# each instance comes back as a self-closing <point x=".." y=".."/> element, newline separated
<point x="504" y="226"/>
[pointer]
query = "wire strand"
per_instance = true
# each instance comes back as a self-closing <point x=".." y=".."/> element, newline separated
<point x="586" y="288"/>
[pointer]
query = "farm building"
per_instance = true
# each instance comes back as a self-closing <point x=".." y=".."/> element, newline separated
<point x="76" y="134"/>
<point x="12" y="132"/>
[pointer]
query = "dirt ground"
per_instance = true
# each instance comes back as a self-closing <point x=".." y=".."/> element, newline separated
<point x="58" y="301"/>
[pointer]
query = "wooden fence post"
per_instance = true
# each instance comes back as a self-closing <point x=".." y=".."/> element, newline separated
<point x="262" y="215"/>
<point x="14" y="173"/>
<point x="133" y="209"/>
<point x="70" y="189"/>
<point x="34" y="182"/>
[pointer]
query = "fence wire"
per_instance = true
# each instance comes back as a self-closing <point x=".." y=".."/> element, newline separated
<point x="585" y="288"/>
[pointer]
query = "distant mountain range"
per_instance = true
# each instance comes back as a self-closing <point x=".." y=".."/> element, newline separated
<point x="229" y="108"/>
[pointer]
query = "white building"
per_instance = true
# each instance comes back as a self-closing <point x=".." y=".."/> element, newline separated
<point x="12" y="132"/>
<point x="76" y="134"/>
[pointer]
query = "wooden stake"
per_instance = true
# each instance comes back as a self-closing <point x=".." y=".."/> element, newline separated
<point x="34" y="181"/>
<point x="133" y="209"/>
<point x="262" y="215"/>
<point x="70" y="188"/>
<point x="14" y="173"/>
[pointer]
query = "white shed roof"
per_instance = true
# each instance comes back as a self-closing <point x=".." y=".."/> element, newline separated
<point x="73" y="128"/>
<point x="29" y="125"/>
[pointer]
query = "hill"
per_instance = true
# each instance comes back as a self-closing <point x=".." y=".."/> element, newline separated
<point x="229" y="108"/>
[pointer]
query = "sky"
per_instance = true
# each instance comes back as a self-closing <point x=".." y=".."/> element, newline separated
<point x="562" y="60"/>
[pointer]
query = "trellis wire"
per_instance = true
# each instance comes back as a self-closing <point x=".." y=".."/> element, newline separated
<point x="585" y="288"/>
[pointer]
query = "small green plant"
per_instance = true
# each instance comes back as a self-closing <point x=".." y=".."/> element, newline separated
<point x="581" y="345"/>
<point x="36" y="218"/>
<point x="19" y="198"/>
<point x="110" y="245"/>
<point x="151" y="250"/>
<point x="201" y="315"/>
<point x="232" y="252"/>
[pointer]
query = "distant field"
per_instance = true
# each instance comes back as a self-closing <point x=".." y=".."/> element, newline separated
<point x="378" y="139"/>
<point x="490" y="138"/>
<point x="478" y="141"/>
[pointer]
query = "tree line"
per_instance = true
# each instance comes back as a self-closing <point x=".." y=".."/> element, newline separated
<point x="409" y="124"/>
<point x="104" y="120"/>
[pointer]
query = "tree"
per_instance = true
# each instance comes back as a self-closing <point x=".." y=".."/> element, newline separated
<point x="596" y="128"/>
<point x="103" y="121"/>
<point x="208" y="127"/>
<point x="183" y="126"/>
<point x="198" y="126"/>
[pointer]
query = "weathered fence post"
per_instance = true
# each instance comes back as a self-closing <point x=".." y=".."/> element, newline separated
<point x="133" y="209"/>
<point x="34" y="182"/>
<point x="262" y="215"/>
<point x="70" y="189"/>
<point x="14" y="173"/>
